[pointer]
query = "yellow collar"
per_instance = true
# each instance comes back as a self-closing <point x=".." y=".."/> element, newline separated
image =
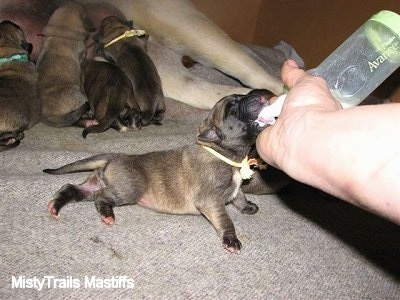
<point x="126" y="34"/>
<point x="244" y="166"/>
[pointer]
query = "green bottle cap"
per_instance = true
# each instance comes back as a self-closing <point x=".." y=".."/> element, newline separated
<point x="383" y="31"/>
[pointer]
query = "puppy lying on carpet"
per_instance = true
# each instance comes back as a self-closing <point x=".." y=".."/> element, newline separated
<point x="19" y="104"/>
<point x="170" y="181"/>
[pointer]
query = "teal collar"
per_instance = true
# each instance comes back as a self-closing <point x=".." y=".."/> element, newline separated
<point x="15" y="57"/>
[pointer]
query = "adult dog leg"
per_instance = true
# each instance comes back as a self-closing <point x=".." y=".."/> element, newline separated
<point x="179" y="84"/>
<point x="180" y="26"/>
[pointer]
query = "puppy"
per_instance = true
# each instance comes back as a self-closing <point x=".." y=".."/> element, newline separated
<point x="170" y="181"/>
<point x="58" y="66"/>
<point x="110" y="96"/>
<point x="129" y="53"/>
<point x="19" y="104"/>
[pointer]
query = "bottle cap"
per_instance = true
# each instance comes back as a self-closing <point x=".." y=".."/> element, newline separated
<point x="383" y="31"/>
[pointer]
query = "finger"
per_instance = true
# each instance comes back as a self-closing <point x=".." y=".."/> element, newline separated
<point x="291" y="74"/>
<point x="262" y="145"/>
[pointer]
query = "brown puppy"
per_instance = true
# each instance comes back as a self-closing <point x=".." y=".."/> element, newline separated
<point x="58" y="65"/>
<point x="129" y="53"/>
<point x="170" y="181"/>
<point x="110" y="96"/>
<point x="19" y="104"/>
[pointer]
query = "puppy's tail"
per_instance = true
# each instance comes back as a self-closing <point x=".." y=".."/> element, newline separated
<point x="84" y="165"/>
<point x="9" y="140"/>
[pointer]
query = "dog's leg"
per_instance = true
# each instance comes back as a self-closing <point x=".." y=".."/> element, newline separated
<point x="67" y="193"/>
<point x="222" y="223"/>
<point x="174" y="75"/>
<point x="104" y="206"/>
<point x="243" y="205"/>
<point x="71" y="192"/>
<point x="191" y="33"/>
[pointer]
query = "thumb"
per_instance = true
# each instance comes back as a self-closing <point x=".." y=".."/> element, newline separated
<point x="263" y="144"/>
<point x="291" y="73"/>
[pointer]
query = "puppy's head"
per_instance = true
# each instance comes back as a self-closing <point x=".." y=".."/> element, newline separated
<point x="70" y="20"/>
<point x="228" y="126"/>
<point x="12" y="39"/>
<point x="112" y="27"/>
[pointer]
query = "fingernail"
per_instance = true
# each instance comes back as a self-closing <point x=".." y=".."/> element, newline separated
<point x="291" y="63"/>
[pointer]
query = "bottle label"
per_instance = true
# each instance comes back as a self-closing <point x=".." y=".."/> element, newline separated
<point x="391" y="47"/>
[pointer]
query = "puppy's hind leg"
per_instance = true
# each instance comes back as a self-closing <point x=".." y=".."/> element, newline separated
<point x="104" y="206"/>
<point x="70" y="192"/>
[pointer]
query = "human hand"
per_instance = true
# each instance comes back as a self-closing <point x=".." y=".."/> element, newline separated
<point x="307" y="95"/>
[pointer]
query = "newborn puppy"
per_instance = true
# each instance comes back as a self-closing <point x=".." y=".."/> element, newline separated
<point x="125" y="46"/>
<point x="19" y="104"/>
<point x="58" y="66"/>
<point x="170" y="181"/>
<point x="110" y="96"/>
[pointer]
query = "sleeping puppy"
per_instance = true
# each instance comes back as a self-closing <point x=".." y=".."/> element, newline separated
<point x="110" y="96"/>
<point x="170" y="181"/>
<point x="128" y="51"/>
<point x="58" y="66"/>
<point x="19" y="104"/>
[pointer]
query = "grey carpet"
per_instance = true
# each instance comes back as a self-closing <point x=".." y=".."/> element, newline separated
<point x="300" y="245"/>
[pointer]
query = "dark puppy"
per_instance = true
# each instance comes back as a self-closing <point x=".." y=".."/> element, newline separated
<point x="19" y="104"/>
<point x="125" y="46"/>
<point x="110" y="96"/>
<point x="170" y="181"/>
<point x="58" y="66"/>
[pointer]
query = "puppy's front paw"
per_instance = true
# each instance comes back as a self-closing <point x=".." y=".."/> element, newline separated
<point x="231" y="243"/>
<point x="250" y="208"/>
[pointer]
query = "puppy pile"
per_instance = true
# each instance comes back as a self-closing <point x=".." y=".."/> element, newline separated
<point x="120" y="88"/>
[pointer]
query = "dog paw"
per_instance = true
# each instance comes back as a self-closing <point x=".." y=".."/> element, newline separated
<point x="52" y="210"/>
<point x="109" y="220"/>
<point x="250" y="208"/>
<point x="232" y="244"/>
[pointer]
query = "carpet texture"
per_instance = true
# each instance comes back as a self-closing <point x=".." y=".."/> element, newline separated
<point x="299" y="245"/>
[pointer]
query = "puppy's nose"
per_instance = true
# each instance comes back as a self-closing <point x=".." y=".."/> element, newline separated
<point x="262" y="99"/>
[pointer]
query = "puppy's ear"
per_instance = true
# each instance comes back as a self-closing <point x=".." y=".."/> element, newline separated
<point x="89" y="25"/>
<point x="129" y="23"/>
<point x="27" y="47"/>
<point x="262" y="92"/>
<point x="96" y="37"/>
<point x="209" y="135"/>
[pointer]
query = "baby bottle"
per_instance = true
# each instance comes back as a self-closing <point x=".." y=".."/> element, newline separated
<point x="357" y="67"/>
